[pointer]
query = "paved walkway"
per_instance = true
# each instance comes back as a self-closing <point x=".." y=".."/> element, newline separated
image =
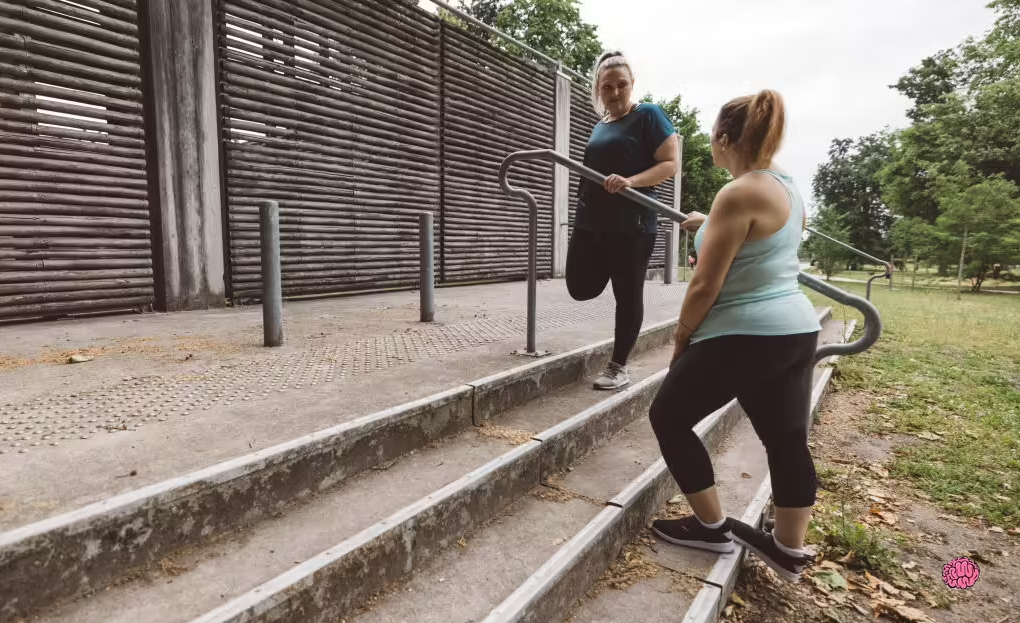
<point x="169" y="393"/>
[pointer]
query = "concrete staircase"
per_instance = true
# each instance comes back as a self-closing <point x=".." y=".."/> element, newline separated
<point x="501" y="500"/>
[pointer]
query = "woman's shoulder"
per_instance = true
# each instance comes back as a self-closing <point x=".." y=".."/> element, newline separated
<point x="649" y="109"/>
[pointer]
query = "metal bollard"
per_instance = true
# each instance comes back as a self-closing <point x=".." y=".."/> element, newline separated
<point x="272" y="286"/>
<point x="427" y="285"/>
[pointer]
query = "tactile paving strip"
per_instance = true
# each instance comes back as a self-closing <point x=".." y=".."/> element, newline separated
<point x="135" y="402"/>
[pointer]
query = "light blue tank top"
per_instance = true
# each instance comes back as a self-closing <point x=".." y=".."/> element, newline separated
<point x="760" y="295"/>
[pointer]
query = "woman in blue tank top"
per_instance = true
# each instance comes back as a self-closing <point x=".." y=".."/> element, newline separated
<point x="746" y="331"/>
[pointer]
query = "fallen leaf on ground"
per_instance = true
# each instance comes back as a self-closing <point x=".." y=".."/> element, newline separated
<point x="831" y="579"/>
<point x="859" y="608"/>
<point x="996" y="530"/>
<point x="677" y="499"/>
<point x="746" y="475"/>
<point x="1014" y="530"/>
<point x="873" y="582"/>
<point x="832" y="615"/>
<point x="909" y="565"/>
<point x="79" y="359"/>
<point x="878" y="469"/>
<point x="978" y="557"/>
<point x="735" y="598"/>
<point x="905" y="613"/>
<point x="887" y="516"/>
<point x="929" y="436"/>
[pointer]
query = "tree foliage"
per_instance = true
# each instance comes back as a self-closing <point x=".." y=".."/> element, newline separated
<point x="553" y="27"/>
<point x="848" y="184"/>
<point x="827" y="256"/>
<point x="701" y="179"/>
<point x="953" y="173"/>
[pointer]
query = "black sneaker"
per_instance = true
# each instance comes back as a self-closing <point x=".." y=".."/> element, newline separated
<point x="690" y="532"/>
<point x="764" y="545"/>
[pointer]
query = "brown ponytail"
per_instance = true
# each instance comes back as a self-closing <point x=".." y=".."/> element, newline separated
<point x="755" y="125"/>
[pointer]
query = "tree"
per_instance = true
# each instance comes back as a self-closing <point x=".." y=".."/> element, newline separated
<point x="553" y="27"/>
<point x="930" y="82"/>
<point x="849" y="184"/>
<point x="914" y="238"/>
<point x="827" y="256"/>
<point x="956" y="167"/>
<point x="701" y="179"/>
<point x="984" y="219"/>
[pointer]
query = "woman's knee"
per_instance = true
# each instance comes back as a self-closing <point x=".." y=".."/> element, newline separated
<point x="666" y="422"/>
<point x="582" y="287"/>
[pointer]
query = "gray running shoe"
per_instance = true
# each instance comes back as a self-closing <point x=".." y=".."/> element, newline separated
<point x="614" y="377"/>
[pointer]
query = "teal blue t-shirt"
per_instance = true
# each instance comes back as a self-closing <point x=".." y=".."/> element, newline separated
<point x="625" y="147"/>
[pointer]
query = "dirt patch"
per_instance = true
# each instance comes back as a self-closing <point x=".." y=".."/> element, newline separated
<point x="513" y="436"/>
<point x="629" y="568"/>
<point x="917" y="540"/>
<point x="174" y="349"/>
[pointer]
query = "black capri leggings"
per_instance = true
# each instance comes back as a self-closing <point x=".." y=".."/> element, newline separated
<point x="771" y="377"/>
<point x="593" y="260"/>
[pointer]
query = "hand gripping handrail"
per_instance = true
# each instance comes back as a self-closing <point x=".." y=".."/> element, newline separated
<point x="872" y="319"/>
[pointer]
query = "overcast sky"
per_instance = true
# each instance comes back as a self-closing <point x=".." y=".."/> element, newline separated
<point x="832" y="60"/>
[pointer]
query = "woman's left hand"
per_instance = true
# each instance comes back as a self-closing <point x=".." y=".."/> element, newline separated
<point x="680" y="343"/>
<point x="615" y="183"/>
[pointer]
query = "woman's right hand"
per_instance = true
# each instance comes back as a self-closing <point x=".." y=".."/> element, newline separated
<point x="694" y="221"/>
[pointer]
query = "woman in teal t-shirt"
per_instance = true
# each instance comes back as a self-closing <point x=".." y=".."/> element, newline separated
<point x="635" y="145"/>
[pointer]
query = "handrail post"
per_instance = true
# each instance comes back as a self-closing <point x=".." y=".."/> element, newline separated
<point x="427" y="270"/>
<point x="531" y="349"/>
<point x="533" y="278"/>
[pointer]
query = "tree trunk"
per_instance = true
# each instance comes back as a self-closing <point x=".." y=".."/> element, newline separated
<point x="913" y="279"/>
<point x="959" y="272"/>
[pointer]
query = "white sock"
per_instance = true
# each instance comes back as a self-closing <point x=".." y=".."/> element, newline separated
<point x="713" y="526"/>
<point x="796" y="553"/>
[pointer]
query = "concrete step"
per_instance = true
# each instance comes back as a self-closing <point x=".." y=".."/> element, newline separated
<point x="464" y="581"/>
<point x="311" y="530"/>
<point x="223" y="565"/>
<point x="689" y="584"/>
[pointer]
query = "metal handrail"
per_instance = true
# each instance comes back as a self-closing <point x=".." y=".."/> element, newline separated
<point x="872" y="319"/>
<point x="888" y="265"/>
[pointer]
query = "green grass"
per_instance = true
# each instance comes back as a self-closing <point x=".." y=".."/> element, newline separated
<point x="952" y="368"/>
<point x="835" y="530"/>
<point x="925" y="277"/>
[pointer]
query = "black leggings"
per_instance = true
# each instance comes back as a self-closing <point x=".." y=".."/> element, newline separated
<point x="771" y="377"/>
<point x="593" y="259"/>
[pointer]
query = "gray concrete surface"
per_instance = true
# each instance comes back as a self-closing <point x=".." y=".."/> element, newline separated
<point x="182" y="108"/>
<point x="143" y="410"/>
<point x="606" y="473"/>
<point x="199" y="580"/>
<point x="465" y="583"/>
<point x="682" y="570"/>
<point x="214" y="573"/>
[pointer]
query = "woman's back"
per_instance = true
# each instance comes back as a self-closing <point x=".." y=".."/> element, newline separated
<point x="761" y="295"/>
